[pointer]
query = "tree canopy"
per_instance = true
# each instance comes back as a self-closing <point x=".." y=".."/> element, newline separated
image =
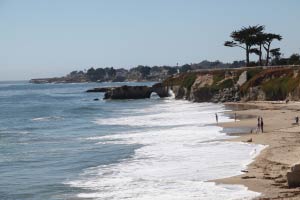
<point x="253" y="39"/>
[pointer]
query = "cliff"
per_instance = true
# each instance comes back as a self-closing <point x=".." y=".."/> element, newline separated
<point x="244" y="84"/>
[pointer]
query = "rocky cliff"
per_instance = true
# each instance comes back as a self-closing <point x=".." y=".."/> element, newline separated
<point x="272" y="83"/>
<point x="226" y="85"/>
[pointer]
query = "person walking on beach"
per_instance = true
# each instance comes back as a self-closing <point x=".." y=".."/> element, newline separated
<point x="217" y="118"/>
<point x="261" y="124"/>
<point x="297" y="120"/>
<point x="235" y="117"/>
<point x="258" y="125"/>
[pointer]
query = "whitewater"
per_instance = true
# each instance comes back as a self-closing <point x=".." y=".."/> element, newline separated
<point x="57" y="143"/>
<point x="181" y="149"/>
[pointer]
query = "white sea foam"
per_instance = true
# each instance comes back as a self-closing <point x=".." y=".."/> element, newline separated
<point x="191" y="135"/>
<point x="178" y="113"/>
<point x="173" y="163"/>
<point x="47" y="118"/>
<point x="171" y="94"/>
<point x="24" y="132"/>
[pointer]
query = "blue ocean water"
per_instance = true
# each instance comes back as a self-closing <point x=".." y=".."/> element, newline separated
<point x="57" y="143"/>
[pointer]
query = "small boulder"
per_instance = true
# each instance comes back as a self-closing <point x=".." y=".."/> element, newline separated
<point x="296" y="168"/>
<point x="293" y="177"/>
<point x="250" y="140"/>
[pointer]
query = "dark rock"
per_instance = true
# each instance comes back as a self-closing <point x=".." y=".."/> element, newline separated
<point x="103" y="89"/>
<point x="293" y="179"/>
<point x="160" y="90"/>
<point x="96" y="99"/>
<point x="248" y="177"/>
<point x="132" y="92"/>
<point x="128" y="92"/>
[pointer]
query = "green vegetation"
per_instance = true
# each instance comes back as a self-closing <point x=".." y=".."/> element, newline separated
<point x="189" y="81"/>
<point x="219" y="82"/>
<point x="252" y="72"/>
<point x="252" y="39"/>
<point x="99" y="74"/>
<point x="294" y="59"/>
<point x="279" y="88"/>
<point x="276" y="83"/>
<point x="185" y="80"/>
<point x="218" y="76"/>
<point x="244" y="38"/>
<point x="254" y="79"/>
<point x="228" y="83"/>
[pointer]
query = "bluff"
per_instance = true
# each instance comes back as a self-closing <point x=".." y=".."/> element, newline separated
<point x="243" y="84"/>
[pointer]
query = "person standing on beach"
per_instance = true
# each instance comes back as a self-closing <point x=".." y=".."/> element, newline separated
<point x="235" y="117"/>
<point x="258" y="125"/>
<point x="262" y="124"/>
<point x="217" y="118"/>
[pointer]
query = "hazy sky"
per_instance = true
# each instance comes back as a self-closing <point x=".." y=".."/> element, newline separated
<point x="41" y="38"/>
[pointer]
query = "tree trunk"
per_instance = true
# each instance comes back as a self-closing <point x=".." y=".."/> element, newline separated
<point x="247" y="56"/>
<point x="268" y="54"/>
<point x="260" y="54"/>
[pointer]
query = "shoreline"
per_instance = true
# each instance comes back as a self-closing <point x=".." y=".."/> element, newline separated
<point x="267" y="173"/>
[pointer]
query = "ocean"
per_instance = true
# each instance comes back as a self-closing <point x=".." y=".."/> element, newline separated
<point x="57" y="143"/>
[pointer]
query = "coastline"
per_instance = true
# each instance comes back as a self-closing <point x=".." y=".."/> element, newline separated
<point x="267" y="173"/>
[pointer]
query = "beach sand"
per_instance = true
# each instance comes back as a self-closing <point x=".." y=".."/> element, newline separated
<point x="267" y="173"/>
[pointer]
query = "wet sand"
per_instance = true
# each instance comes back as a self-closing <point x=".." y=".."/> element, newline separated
<point x="267" y="174"/>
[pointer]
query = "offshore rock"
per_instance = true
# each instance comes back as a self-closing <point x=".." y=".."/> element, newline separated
<point x="102" y="89"/>
<point x="128" y="92"/>
<point x="160" y="90"/>
<point x="133" y="92"/>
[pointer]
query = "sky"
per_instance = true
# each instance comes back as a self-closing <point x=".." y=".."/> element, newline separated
<point x="47" y="38"/>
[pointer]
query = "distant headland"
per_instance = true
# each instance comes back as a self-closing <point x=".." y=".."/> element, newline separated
<point x="140" y="73"/>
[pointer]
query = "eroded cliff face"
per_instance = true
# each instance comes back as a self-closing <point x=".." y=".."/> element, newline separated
<point x="210" y="86"/>
<point x="237" y="85"/>
<point x="227" y="85"/>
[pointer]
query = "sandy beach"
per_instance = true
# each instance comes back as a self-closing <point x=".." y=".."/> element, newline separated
<point x="267" y="174"/>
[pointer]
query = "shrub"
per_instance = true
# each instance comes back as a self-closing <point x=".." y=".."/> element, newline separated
<point x="185" y="80"/>
<point x="252" y="72"/>
<point x="189" y="81"/>
<point x="279" y="88"/>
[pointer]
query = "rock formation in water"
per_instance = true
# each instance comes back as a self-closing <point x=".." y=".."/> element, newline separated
<point x="134" y="92"/>
<point x="128" y="92"/>
<point x="100" y="89"/>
